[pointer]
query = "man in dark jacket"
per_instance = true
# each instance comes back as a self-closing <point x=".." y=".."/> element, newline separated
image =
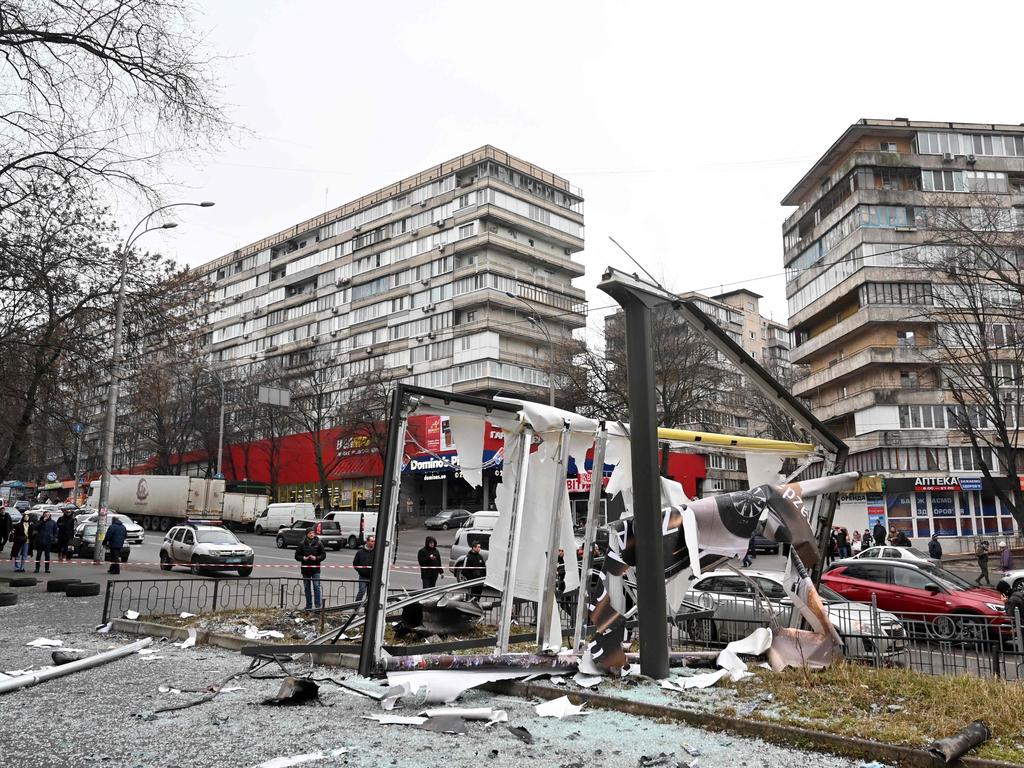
<point x="981" y="552"/>
<point x="46" y="535"/>
<point x="935" y="548"/>
<point x="114" y="541"/>
<point x="65" y="533"/>
<point x="363" y="563"/>
<point x="310" y="553"/>
<point x="430" y="562"/>
<point x="5" y="527"/>
<point x="900" y="539"/>
<point x="879" y="533"/>
<point x="474" y="568"/>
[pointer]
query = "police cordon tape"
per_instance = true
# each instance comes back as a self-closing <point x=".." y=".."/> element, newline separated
<point x="227" y="566"/>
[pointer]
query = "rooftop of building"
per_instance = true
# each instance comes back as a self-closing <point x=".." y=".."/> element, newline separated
<point x="737" y="292"/>
<point x="435" y="172"/>
<point x="899" y="126"/>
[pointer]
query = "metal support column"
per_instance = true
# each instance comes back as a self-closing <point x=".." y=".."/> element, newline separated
<point x="521" y="461"/>
<point x="643" y="425"/>
<point x="547" y="601"/>
<point x="387" y="527"/>
<point x="593" y="509"/>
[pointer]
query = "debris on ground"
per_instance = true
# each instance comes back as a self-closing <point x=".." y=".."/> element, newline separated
<point x="287" y="762"/>
<point x="521" y="733"/>
<point x="560" y="708"/>
<point x="295" y="690"/>
<point x="960" y="743"/>
<point x="45" y="642"/>
<point x="66" y="657"/>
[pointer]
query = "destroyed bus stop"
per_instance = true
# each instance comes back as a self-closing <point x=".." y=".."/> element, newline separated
<point x="538" y="441"/>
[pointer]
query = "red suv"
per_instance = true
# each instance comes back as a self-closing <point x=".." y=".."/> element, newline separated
<point x="955" y="607"/>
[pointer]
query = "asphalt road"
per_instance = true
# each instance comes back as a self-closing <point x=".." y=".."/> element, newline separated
<point x="144" y="561"/>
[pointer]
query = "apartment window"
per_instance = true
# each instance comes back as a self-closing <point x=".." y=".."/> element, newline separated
<point x="895" y="293"/>
<point x="906" y="339"/>
<point x="908" y="379"/>
<point x="887" y="146"/>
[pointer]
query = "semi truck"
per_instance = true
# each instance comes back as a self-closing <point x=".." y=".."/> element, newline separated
<point x="241" y="509"/>
<point x="157" y="502"/>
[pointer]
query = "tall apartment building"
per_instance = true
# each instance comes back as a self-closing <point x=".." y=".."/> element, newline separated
<point x="453" y="278"/>
<point x="726" y="409"/>
<point x="861" y="312"/>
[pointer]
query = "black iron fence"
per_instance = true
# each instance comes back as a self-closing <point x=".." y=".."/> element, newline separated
<point x="162" y="597"/>
<point x="933" y="643"/>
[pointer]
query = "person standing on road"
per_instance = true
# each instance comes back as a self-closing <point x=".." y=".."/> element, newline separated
<point x="363" y="563"/>
<point x="65" y="533"/>
<point x="866" y="542"/>
<point x="981" y="552"/>
<point x="5" y="527"/>
<point x="879" y="533"/>
<point x="310" y="553"/>
<point x="114" y="541"/>
<point x="46" y="534"/>
<point x="1005" y="557"/>
<point x="843" y="542"/>
<point x="474" y="568"/>
<point x="430" y="562"/>
<point x="19" y="544"/>
<point x="935" y="548"/>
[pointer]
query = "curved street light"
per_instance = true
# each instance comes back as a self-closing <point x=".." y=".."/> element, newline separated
<point x="535" y="319"/>
<point x="113" y="389"/>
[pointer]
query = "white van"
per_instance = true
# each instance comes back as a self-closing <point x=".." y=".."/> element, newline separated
<point x="282" y="515"/>
<point x="485" y="520"/>
<point x="356" y="525"/>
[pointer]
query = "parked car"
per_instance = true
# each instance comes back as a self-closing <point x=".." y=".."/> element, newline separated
<point x="938" y="601"/>
<point x="84" y="542"/>
<point x="281" y="515"/>
<point x="737" y="613"/>
<point x="895" y="553"/>
<point x="764" y="544"/>
<point x="329" y="532"/>
<point x="23" y="506"/>
<point x="205" y="546"/>
<point x="136" y="533"/>
<point x="14" y="513"/>
<point x="1013" y="578"/>
<point x="485" y="519"/>
<point x="447" y="518"/>
<point x="465" y="538"/>
<point x="356" y="525"/>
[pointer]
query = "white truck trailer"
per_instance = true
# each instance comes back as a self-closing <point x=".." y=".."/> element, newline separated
<point x="157" y="502"/>
<point x="241" y="509"/>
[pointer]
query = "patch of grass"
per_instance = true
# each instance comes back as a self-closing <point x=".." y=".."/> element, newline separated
<point x="839" y="699"/>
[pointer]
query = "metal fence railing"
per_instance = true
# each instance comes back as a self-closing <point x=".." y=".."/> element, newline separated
<point x="933" y="643"/>
<point x="162" y="597"/>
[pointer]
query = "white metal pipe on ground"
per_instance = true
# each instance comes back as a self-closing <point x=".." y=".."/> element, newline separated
<point x="34" y="678"/>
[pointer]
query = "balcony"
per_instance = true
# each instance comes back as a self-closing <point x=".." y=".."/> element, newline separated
<point x="866" y="398"/>
<point x="876" y="355"/>
<point x="899" y="438"/>
<point x="865" y="316"/>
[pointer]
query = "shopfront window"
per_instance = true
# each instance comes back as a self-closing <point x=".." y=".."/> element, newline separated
<point x="898" y="506"/>
<point x="989" y="521"/>
<point x="943" y="513"/>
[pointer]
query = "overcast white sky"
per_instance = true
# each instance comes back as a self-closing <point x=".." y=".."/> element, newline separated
<point x="683" y="123"/>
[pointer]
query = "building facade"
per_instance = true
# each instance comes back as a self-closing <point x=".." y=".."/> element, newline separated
<point x="457" y="278"/>
<point x="860" y="252"/>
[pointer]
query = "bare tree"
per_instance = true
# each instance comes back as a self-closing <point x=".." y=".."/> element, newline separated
<point x="58" y="280"/>
<point x="975" y="258"/>
<point x="315" y="410"/>
<point x="100" y="90"/>
<point x="363" y="413"/>
<point x="594" y="376"/>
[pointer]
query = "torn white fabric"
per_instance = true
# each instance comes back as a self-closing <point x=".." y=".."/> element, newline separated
<point x="45" y="642"/>
<point x="446" y="685"/>
<point x="754" y="644"/>
<point x="559" y="708"/>
<point x="764" y="468"/>
<point x="396" y="719"/>
<point x="104" y="629"/>
<point x="186" y="615"/>
<point x="705" y="680"/>
<point x="287" y="761"/>
<point x="468" y="435"/>
<point x="621" y="479"/>
<point x="131" y="615"/>
<point x="188" y="642"/>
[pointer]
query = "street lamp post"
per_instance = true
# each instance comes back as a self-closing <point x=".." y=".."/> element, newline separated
<point x="220" y="433"/>
<point x="113" y="389"/>
<point x="536" y="320"/>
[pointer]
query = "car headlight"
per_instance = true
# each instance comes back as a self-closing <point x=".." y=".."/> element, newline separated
<point x="997" y="607"/>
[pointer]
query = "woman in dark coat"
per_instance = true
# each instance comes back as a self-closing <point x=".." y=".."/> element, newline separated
<point x="19" y="544"/>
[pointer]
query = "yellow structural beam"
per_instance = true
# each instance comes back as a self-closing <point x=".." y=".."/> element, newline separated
<point x="734" y="441"/>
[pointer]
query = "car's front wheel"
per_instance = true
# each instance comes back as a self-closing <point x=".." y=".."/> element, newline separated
<point x="243" y="572"/>
<point x="165" y="562"/>
<point x="194" y="567"/>
<point x="281" y="544"/>
<point x="444" y="526"/>
<point x="353" y="542"/>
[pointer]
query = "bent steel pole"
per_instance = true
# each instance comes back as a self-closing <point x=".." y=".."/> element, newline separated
<point x="522" y="461"/>
<point x="593" y="507"/>
<point x="643" y="450"/>
<point x="387" y="519"/>
<point x="34" y="678"/>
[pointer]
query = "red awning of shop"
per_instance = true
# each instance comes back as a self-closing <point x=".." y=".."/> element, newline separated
<point x="358" y="465"/>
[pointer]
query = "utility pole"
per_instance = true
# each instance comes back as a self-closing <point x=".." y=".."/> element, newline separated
<point x="114" y="387"/>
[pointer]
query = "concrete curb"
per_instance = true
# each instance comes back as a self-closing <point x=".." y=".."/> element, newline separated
<point x="775" y="733"/>
<point x="217" y="640"/>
